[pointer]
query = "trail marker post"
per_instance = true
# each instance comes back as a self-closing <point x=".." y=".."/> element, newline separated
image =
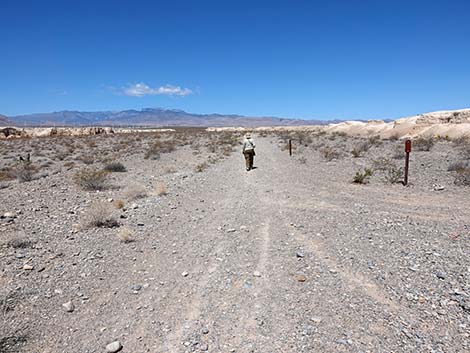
<point x="290" y="147"/>
<point x="407" y="160"/>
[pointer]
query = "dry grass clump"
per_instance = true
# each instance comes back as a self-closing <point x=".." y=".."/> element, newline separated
<point x="101" y="215"/>
<point x="424" y="143"/>
<point x="125" y="235"/>
<point x="201" y="167"/>
<point x="119" y="204"/>
<point x="161" y="189"/>
<point x="329" y="153"/>
<point x="91" y="179"/>
<point x="116" y="167"/>
<point x="134" y="192"/>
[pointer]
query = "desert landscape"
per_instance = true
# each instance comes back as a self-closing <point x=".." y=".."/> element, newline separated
<point x="160" y="241"/>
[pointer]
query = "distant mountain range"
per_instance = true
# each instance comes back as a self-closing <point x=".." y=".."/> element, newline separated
<point x="4" y="120"/>
<point x="153" y="117"/>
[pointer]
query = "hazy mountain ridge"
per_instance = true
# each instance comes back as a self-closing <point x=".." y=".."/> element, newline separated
<point x="4" y="120"/>
<point x="154" y="117"/>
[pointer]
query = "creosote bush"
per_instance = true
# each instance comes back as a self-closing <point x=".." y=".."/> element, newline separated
<point x="116" y="167"/>
<point x="91" y="179"/>
<point x="362" y="177"/>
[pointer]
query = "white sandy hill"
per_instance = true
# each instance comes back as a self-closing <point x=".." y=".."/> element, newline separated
<point x="445" y="124"/>
<point x="450" y="123"/>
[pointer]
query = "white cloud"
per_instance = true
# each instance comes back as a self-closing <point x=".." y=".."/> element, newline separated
<point x="141" y="89"/>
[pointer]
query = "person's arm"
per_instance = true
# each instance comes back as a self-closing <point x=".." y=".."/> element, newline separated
<point x="244" y="145"/>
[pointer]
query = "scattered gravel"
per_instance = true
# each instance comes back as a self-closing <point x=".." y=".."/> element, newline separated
<point x="289" y="257"/>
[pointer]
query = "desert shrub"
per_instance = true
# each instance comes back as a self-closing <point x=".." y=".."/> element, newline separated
<point x="393" y="174"/>
<point x="20" y="242"/>
<point x="201" y="167"/>
<point x="394" y="137"/>
<point x="362" y="177"/>
<point x="24" y="171"/>
<point x="69" y="165"/>
<point x="125" y="235"/>
<point x="115" y="167"/>
<point x="461" y="141"/>
<point x="382" y="164"/>
<point x="462" y="177"/>
<point x="88" y="160"/>
<point x="360" y="148"/>
<point x="100" y="214"/>
<point x="458" y="166"/>
<point x="134" y="192"/>
<point x="423" y="143"/>
<point x="375" y="140"/>
<point x="156" y="148"/>
<point x="399" y="151"/>
<point x="91" y="179"/>
<point x="303" y="138"/>
<point x="6" y="174"/>
<point x="329" y="153"/>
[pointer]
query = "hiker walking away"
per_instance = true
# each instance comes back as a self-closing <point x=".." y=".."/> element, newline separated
<point x="249" y="151"/>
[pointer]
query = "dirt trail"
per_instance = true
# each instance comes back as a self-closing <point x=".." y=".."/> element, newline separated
<point x="246" y="293"/>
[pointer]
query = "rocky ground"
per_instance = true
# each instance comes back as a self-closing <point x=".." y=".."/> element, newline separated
<point x="195" y="254"/>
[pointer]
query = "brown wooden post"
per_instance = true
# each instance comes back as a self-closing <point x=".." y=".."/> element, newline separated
<point x="290" y="147"/>
<point x="407" y="160"/>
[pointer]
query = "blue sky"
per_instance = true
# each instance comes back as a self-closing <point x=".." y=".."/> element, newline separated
<point x="301" y="59"/>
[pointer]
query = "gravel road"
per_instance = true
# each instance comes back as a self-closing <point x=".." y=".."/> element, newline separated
<point x="290" y="257"/>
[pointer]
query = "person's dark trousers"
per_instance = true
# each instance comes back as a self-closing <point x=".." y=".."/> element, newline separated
<point x="249" y="154"/>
